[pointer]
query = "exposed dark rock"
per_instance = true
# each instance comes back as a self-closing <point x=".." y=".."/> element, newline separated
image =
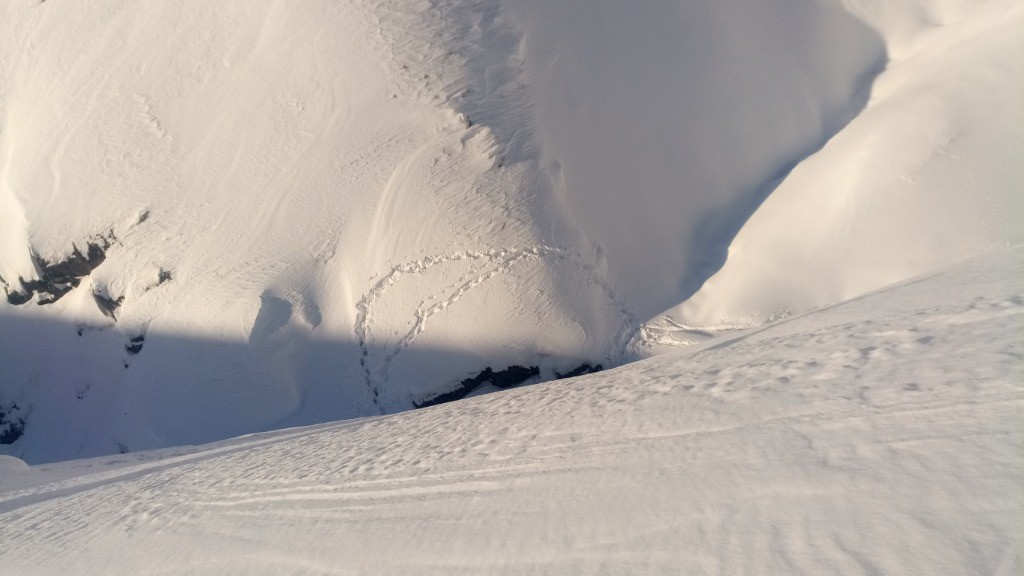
<point x="11" y="431"/>
<point x="11" y="425"/>
<point x="135" y="345"/>
<point x="58" y="278"/>
<point x="18" y="298"/>
<point x="506" y="378"/>
<point x="108" y="305"/>
<point x="580" y="370"/>
<point x="164" y="276"/>
<point x="510" y="376"/>
<point x="78" y="264"/>
<point x="15" y="297"/>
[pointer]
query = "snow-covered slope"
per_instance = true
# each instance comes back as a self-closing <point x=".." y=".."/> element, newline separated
<point x="314" y="211"/>
<point x="929" y="173"/>
<point x="880" y="436"/>
<point x="260" y="214"/>
<point x="664" y="126"/>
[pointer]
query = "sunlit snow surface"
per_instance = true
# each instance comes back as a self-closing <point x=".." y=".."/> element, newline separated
<point x="879" y="436"/>
<point x="331" y="209"/>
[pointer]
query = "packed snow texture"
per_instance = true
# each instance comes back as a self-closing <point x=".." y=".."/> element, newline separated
<point x="880" y="436"/>
<point x="333" y="209"/>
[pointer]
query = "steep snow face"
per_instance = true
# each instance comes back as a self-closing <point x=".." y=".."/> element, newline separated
<point x="666" y="125"/>
<point x="929" y="173"/>
<point x="883" y="435"/>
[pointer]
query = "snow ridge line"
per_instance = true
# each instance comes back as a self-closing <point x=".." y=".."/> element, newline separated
<point x="503" y="259"/>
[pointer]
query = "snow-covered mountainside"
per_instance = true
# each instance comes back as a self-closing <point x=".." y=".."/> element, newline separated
<point x="225" y="217"/>
<point x="880" y="436"/>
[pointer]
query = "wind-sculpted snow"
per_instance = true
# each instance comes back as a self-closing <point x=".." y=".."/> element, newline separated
<point x="666" y="126"/>
<point x="883" y="435"/>
<point x="329" y="209"/>
<point x="927" y="174"/>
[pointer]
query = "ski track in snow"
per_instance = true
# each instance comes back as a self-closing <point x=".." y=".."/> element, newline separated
<point x="868" y="438"/>
<point x="878" y="436"/>
<point x="16" y="499"/>
<point x="487" y="264"/>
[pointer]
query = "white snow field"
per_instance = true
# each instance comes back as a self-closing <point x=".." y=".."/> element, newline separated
<point x="884" y="435"/>
<point x="218" y="218"/>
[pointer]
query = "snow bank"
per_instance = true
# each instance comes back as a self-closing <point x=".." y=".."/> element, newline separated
<point x="11" y="465"/>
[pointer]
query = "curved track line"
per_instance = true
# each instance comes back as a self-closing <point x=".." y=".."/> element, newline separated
<point x="493" y="263"/>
